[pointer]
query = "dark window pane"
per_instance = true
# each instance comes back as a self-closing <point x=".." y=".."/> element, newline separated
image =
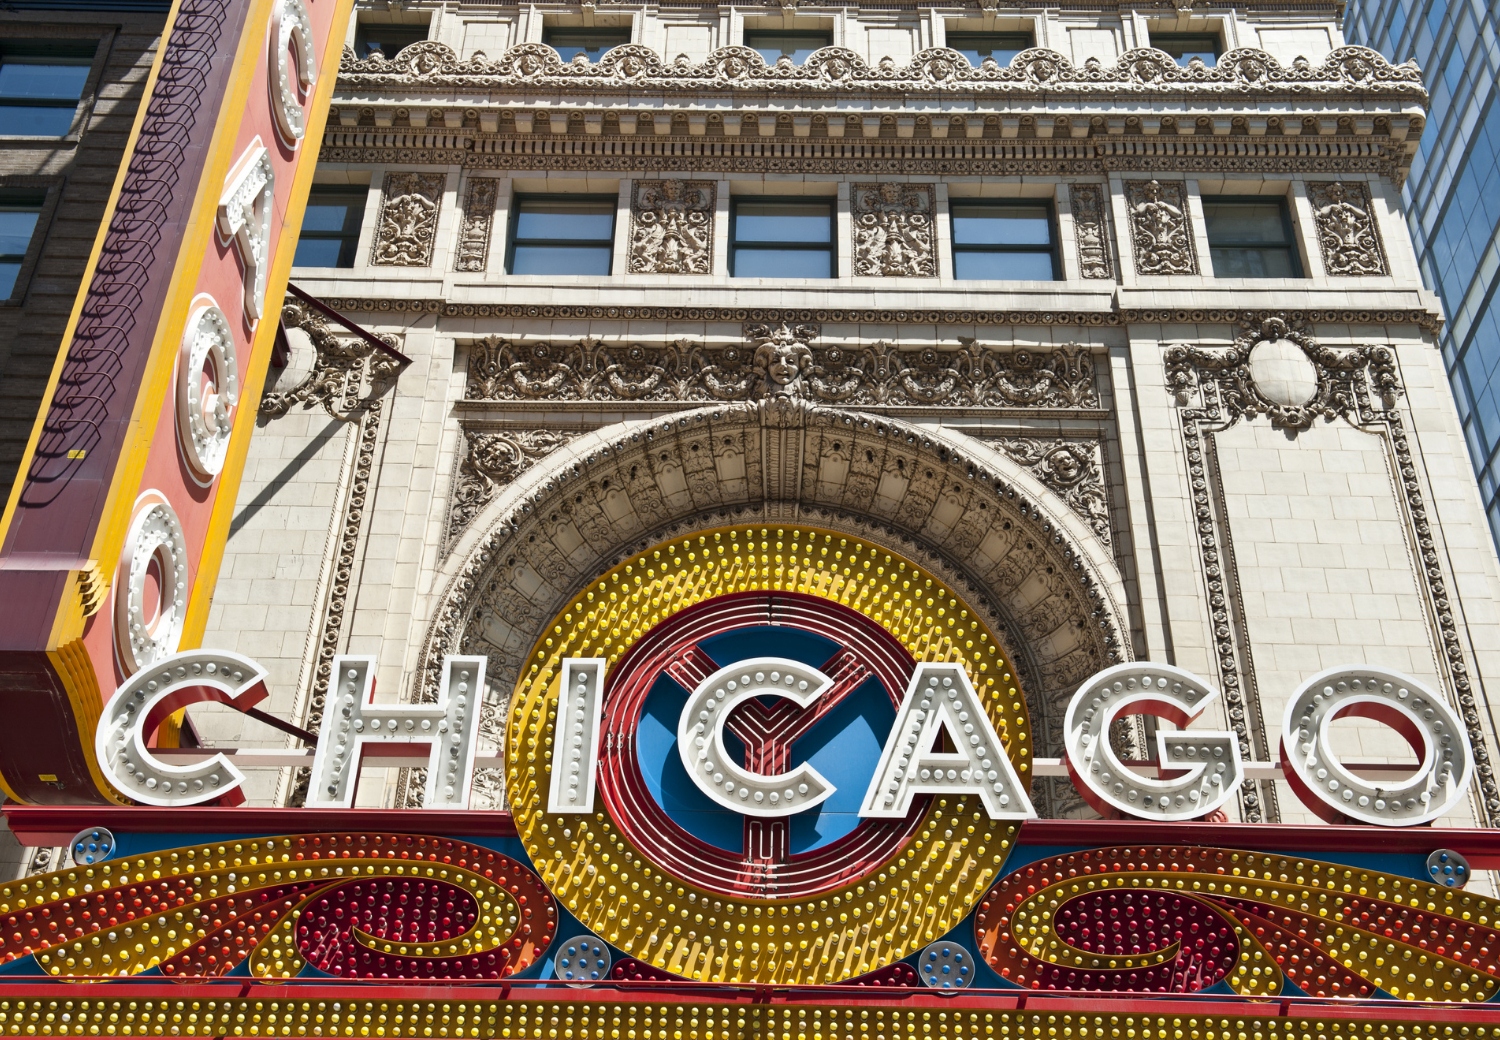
<point x="1244" y="223"/>
<point x="1250" y="238"/>
<point x="565" y="219"/>
<point x="760" y="262"/>
<point x="977" y="46"/>
<point x="389" y="40"/>
<point x="9" y="270"/>
<point x="320" y="252"/>
<point x="35" y="120"/>
<point x="1253" y="263"/>
<point x="561" y="259"/>
<point x="1187" y="46"/>
<point x="36" y="78"/>
<point x="783" y="222"/>
<point x="592" y="43"/>
<point x="16" y="227"/>
<point x="799" y="46"/>
<point x="1003" y="267"/>
<point x="1001" y="225"/>
<point x="323" y="215"/>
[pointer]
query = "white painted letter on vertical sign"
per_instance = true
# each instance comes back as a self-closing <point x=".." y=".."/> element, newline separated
<point x="291" y="43"/>
<point x="1208" y="765"/>
<point x="575" y="735"/>
<point x="353" y="724"/>
<point x="700" y="738"/>
<point x="145" y="700"/>
<point x="1424" y="719"/>
<point x="941" y="699"/>
<point x="245" y="219"/>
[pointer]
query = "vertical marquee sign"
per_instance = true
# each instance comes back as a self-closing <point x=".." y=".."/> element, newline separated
<point x="113" y="534"/>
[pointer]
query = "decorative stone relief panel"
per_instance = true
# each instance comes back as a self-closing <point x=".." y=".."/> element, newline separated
<point x="478" y="222"/>
<point x="1276" y="369"/>
<point x="340" y="362"/>
<point x="782" y="359"/>
<point x="1089" y="203"/>
<point x="490" y="459"/>
<point x="1347" y="236"/>
<point x="1160" y="230"/>
<point x="1073" y="468"/>
<point x="893" y="230"/>
<point x="886" y="480"/>
<point x="672" y="227"/>
<point x="406" y="229"/>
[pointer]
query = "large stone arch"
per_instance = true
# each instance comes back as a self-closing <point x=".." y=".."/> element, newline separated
<point x="1012" y="548"/>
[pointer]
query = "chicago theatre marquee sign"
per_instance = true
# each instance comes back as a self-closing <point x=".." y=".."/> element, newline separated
<point x="762" y="781"/>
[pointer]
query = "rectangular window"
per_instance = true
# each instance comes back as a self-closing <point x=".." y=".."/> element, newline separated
<point x="562" y="234"/>
<point x="1187" y="46"/>
<point x="19" y="212"/>
<point x="41" y="83"/>
<point x="591" y="43"/>
<point x="1250" y="237"/>
<point x="330" y="229"/>
<point x="388" y="39"/>
<point x="977" y="46"/>
<point x="781" y="238"/>
<point x="1004" y="241"/>
<point x="798" y="45"/>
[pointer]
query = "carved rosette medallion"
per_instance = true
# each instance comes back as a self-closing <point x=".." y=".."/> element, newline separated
<point x="407" y="227"/>
<point x="1090" y="231"/>
<point x="893" y="230"/>
<point x="672" y="227"/>
<point x="1161" y="233"/>
<point x="1347" y="236"/>
<point x="478" y="220"/>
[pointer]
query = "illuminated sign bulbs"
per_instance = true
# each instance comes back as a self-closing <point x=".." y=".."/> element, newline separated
<point x="942" y="741"/>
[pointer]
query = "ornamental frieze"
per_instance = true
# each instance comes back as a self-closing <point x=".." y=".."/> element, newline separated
<point x="1161" y="232"/>
<point x="1143" y="72"/>
<point x="781" y="359"/>
<point x="1071" y="467"/>
<point x="1090" y="229"/>
<point x="478" y="220"/>
<point x="407" y="226"/>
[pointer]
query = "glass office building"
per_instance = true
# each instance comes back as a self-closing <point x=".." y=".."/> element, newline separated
<point x="1453" y="195"/>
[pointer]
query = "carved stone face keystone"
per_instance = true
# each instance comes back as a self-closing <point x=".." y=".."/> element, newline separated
<point x="1283" y="373"/>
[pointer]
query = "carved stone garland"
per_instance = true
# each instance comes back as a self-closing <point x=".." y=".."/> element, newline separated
<point x="893" y="230"/>
<point x="1072" y="468"/>
<point x="1089" y="203"/>
<point x="880" y="374"/>
<point x="1161" y="233"/>
<point x="490" y="459"/>
<point x="406" y="230"/>
<point x="1347" y="235"/>
<point x="672" y="227"/>
<point x="478" y="222"/>
<point x="1359" y="385"/>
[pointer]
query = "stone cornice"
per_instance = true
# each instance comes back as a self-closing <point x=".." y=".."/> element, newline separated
<point x="1143" y="74"/>
<point x="376" y="306"/>
<point x="1062" y="156"/>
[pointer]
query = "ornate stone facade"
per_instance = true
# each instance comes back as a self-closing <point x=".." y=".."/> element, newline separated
<point x="478" y="220"/>
<point x="490" y="459"/>
<point x="672" y="227"/>
<point x="1091" y="230"/>
<point x="406" y="230"/>
<point x="893" y="228"/>
<point x="1072" y="468"/>
<point x="1161" y="231"/>
<point x="1347" y="235"/>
